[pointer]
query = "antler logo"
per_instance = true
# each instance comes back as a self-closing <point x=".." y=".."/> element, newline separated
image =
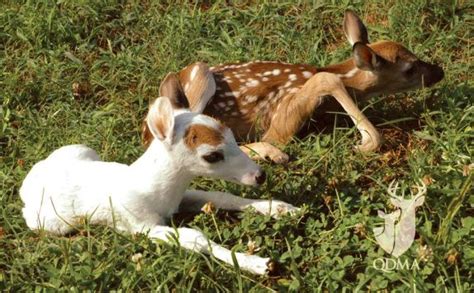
<point x="398" y="232"/>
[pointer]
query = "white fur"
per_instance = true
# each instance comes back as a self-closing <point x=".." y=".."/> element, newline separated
<point x="73" y="183"/>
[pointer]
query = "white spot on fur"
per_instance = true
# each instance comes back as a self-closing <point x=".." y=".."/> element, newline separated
<point x="232" y="94"/>
<point x="292" y="77"/>
<point x="252" y="83"/>
<point x="267" y="73"/>
<point x="307" y="74"/>
<point x="288" y="84"/>
<point x="251" y="99"/>
<point x="244" y="111"/>
<point x="350" y="73"/>
<point x="287" y="70"/>
<point x="276" y="72"/>
<point x="221" y="104"/>
<point x="265" y="79"/>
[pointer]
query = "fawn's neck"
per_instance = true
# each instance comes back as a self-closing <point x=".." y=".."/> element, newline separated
<point x="156" y="172"/>
<point x="358" y="82"/>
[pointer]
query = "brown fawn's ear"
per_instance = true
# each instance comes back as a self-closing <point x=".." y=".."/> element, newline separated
<point x="354" y="28"/>
<point x="365" y="58"/>
<point x="171" y="88"/>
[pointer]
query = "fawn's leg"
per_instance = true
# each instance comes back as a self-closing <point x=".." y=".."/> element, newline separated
<point x="198" y="84"/>
<point x="295" y="110"/>
<point x="196" y="241"/>
<point x="264" y="151"/>
<point x="193" y="200"/>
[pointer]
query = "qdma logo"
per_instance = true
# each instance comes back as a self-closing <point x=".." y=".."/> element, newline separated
<point x="398" y="232"/>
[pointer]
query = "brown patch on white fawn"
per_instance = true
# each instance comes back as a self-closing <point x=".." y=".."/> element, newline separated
<point x="199" y="134"/>
<point x="273" y="100"/>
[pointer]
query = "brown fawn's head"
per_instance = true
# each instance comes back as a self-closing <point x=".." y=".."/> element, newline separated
<point x="383" y="67"/>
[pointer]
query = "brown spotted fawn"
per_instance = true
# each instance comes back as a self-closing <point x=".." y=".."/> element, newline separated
<point x="73" y="183"/>
<point x="272" y="100"/>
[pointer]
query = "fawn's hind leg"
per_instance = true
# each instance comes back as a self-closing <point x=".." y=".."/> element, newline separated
<point x="196" y="241"/>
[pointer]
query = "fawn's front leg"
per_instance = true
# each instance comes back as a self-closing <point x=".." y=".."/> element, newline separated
<point x="193" y="200"/>
<point x="295" y="110"/>
<point x="196" y="241"/>
<point x="264" y="151"/>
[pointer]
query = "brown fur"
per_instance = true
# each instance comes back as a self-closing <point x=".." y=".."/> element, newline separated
<point x="198" y="134"/>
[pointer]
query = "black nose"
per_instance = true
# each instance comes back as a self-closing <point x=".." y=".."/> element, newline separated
<point x="260" y="178"/>
<point x="435" y="74"/>
<point x="439" y="75"/>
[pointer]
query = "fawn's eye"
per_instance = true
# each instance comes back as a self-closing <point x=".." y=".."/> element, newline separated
<point x="213" y="157"/>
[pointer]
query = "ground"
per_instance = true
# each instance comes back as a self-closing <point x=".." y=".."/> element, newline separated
<point x="85" y="72"/>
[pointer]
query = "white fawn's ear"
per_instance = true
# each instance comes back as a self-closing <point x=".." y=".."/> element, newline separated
<point x="354" y="28"/>
<point x="171" y="88"/>
<point x="160" y="119"/>
<point x="365" y="58"/>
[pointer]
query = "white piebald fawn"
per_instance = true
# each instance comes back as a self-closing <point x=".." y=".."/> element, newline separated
<point x="273" y="100"/>
<point x="73" y="183"/>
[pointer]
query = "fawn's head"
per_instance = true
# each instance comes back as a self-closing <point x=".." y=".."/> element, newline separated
<point x="197" y="143"/>
<point x="383" y="67"/>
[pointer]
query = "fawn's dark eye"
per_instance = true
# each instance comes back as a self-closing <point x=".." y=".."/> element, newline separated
<point x="213" y="157"/>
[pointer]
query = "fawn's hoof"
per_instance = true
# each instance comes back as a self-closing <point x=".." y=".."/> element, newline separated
<point x="273" y="268"/>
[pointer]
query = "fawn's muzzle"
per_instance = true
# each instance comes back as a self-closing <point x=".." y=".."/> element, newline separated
<point x="260" y="178"/>
<point x="432" y="74"/>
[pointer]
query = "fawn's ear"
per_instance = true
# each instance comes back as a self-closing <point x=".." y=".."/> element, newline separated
<point x="171" y="88"/>
<point x="365" y="58"/>
<point x="160" y="119"/>
<point x="354" y="28"/>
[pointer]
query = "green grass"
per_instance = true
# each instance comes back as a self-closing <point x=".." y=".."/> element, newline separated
<point x="117" y="53"/>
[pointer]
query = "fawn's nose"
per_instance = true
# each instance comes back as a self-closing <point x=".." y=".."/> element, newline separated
<point x="260" y="178"/>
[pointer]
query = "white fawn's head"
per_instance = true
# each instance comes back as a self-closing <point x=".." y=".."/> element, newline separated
<point x="382" y="67"/>
<point x="197" y="143"/>
<point x="414" y="201"/>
